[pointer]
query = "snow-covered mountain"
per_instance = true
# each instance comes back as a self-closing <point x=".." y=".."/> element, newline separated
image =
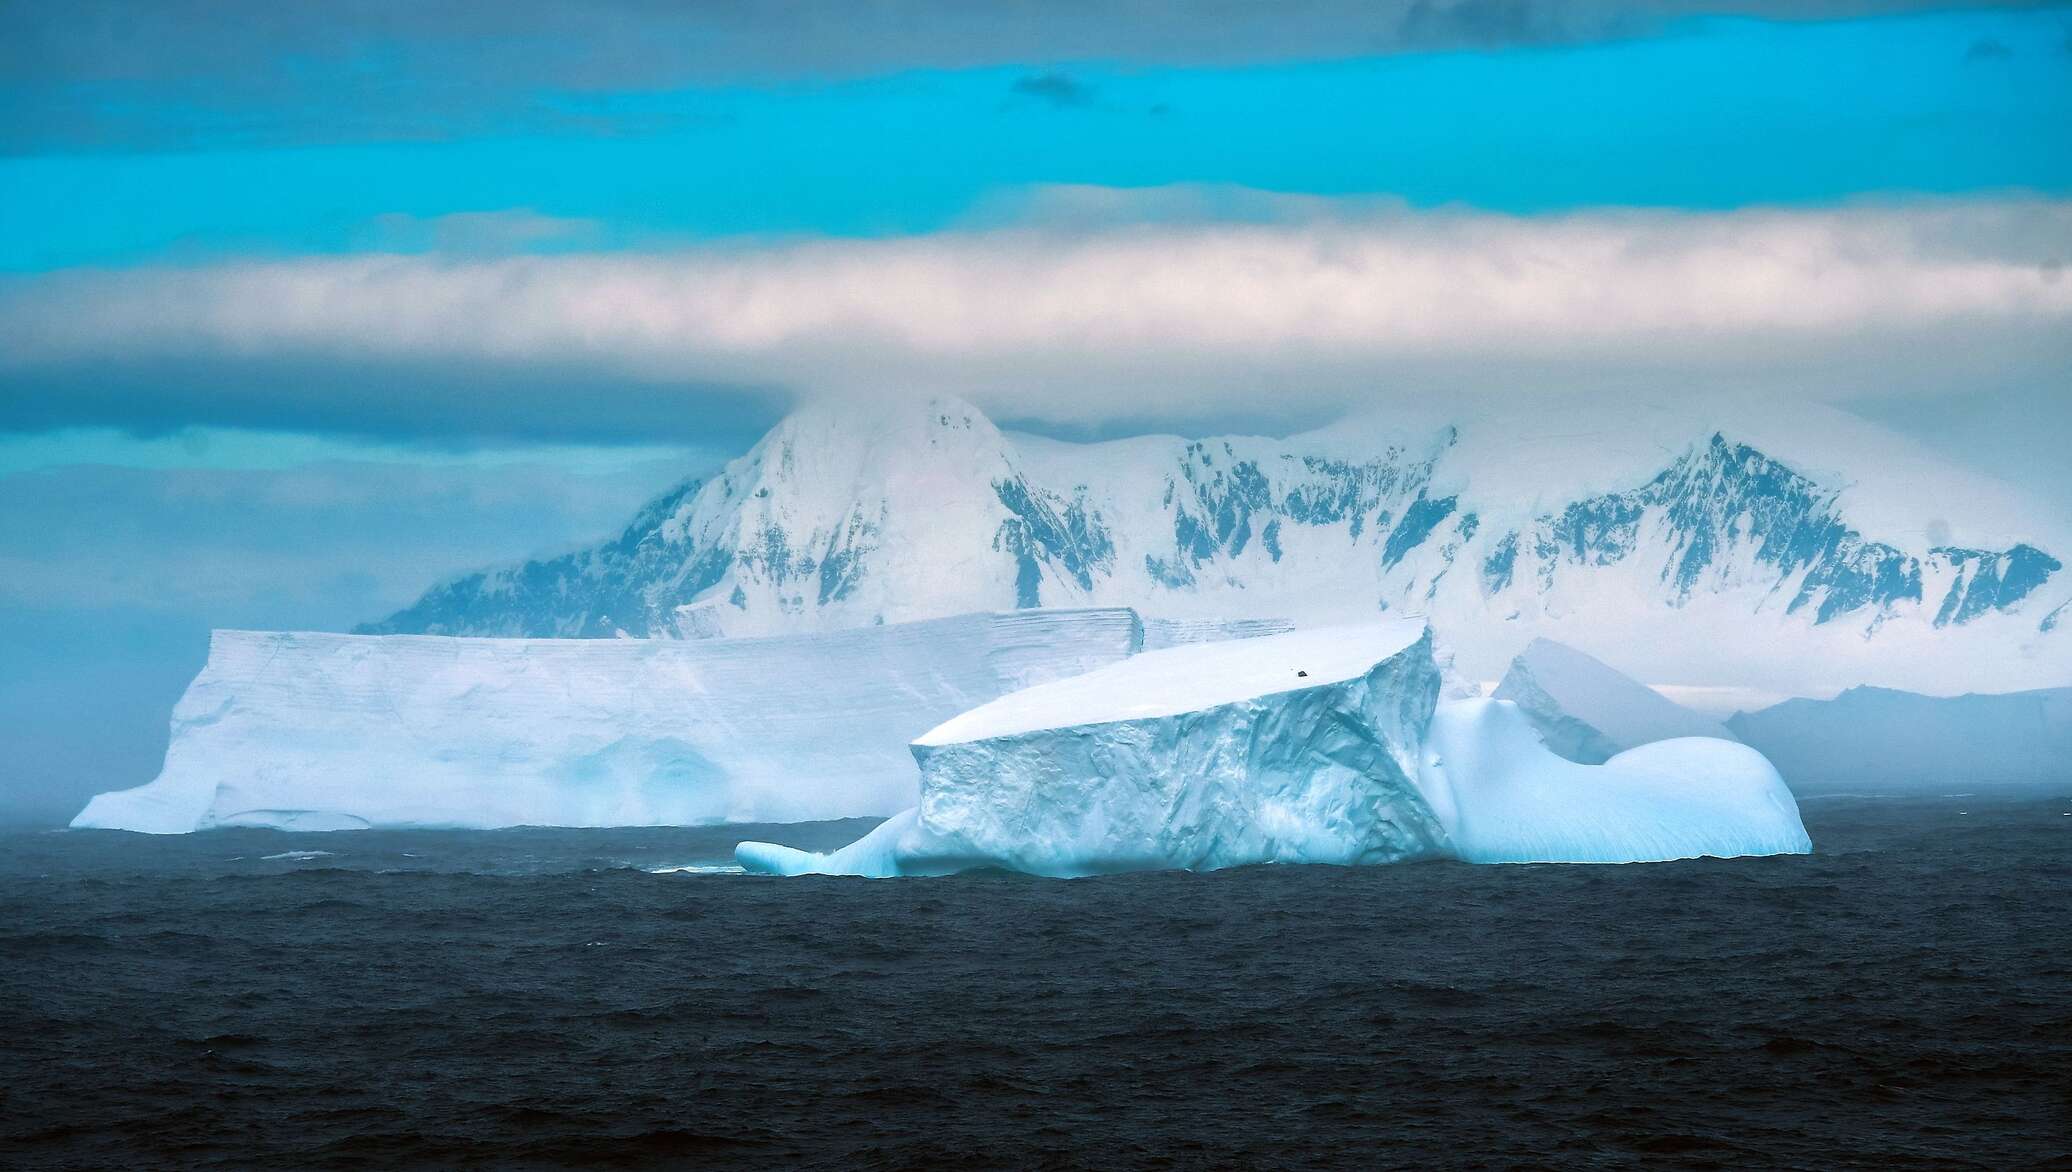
<point x="1799" y="553"/>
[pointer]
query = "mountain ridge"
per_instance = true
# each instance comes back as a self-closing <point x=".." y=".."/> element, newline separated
<point x="852" y="515"/>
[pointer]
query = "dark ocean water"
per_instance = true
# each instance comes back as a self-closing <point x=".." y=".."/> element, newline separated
<point x="1902" y="998"/>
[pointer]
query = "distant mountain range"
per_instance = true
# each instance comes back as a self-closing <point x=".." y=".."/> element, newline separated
<point x="1721" y="561"/>
<point x="1877" y="739"/>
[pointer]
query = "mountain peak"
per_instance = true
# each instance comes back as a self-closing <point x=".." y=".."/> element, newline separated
<point x="880" y="419"/>
<point x="858" y="511"/>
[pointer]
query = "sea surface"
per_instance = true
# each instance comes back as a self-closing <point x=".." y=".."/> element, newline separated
<point x="545" y="998"/>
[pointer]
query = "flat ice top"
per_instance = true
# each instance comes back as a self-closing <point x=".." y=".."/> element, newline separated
<point x="1620" y="706"/>
<point x="1185" y="679"/>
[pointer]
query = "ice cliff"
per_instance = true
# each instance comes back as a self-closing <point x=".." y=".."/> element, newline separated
<point x="1587" y="711"/>
<point x="1328" y="745"/>
<point x="323" y="731"/>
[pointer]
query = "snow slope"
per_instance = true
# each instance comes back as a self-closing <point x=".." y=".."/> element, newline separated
<point x="1324" y="745"/>
<point x="321" y="731"/>
<point x="1587" y="712"/>
<point x="1786" y="549"/>
<point x="1880" y="739"/>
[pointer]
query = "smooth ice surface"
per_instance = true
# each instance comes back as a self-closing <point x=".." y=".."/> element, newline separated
<point x="1196" y="757"/>
<point x="321" y="732"/>
<point x="1880" y="739"/>
<point x="1358" y="763"/>
<point x="898" y="846"/>
<point x="875" y="854"/>
<point x="1588" y="711"/>
<point x="1183" y="679"/>
<point x="1505" y="798"/>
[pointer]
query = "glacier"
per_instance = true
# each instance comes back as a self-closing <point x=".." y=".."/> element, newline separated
<point x="1587" y="711"/>
<point x="1792" y="551"/>
<point x="1881" y="739"/>
<point x="314" y="731"/>
<point x="1326" y="745"/>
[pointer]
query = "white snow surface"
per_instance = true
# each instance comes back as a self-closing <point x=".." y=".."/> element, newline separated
<point x="1185" y="679"/>
<point x="1588" y="711"/>
<point x="310" y="731"/>
<point x="1148" y="765"/>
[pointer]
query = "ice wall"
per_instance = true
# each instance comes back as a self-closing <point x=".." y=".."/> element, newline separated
<point x="323" y="731"/>
<point x="1587" y="711"/>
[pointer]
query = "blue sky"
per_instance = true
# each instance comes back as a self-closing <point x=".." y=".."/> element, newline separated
<point x="307" y="308"/>
<point x="1712" y="113"/>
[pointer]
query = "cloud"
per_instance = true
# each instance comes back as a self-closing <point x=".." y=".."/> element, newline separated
<point x="368" y="391"/>
<point x="490" y="232"/>
<point x="151" y="74"/>
<point x="1325" y="306"/>
<point x="1055" y="88"/>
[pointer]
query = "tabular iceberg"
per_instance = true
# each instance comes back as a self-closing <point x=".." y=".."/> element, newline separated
<point x="321" y="731"/>
<point x="1588" y="711"/>
<point x="1299" y="747"/>
<point x="1329" y="745"/>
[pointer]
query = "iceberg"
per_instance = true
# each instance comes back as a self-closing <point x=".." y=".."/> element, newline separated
<point x="1328" y="745"/>
<point x="1879" y="738"/>
<point x="1589" y="712"/>
<point x="1509" y="799"/>
<point x="1300" y="747"/>
<point x="311" y="731"/>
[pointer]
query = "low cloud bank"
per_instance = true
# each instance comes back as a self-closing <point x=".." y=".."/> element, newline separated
<point x="1322" y="307"/>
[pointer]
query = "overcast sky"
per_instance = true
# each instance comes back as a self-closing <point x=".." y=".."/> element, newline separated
<point x="307" y="306"/>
